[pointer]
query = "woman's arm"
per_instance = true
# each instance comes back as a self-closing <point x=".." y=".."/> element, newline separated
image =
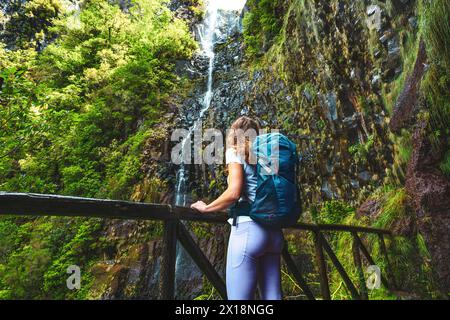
<point x="230" y="196"/>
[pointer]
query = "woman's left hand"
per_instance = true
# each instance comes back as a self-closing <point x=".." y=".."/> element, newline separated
<point x="200" y="206"/>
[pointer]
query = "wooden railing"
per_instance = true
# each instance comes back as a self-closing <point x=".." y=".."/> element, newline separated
<point x="53" y="205"/>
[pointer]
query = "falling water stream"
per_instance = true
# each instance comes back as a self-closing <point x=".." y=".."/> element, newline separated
<point x="216" y="26"/>
<point x="206" y="32"/>
<point x="222" y="18"/>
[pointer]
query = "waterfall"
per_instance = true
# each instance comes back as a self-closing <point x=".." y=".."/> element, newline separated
<point x="206" y="32"/>
<point x="222" y="19"/>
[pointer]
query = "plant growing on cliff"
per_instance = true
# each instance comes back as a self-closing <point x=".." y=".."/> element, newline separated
<point x="80" y="251"/>
<point x="408" y="256"/>
<point x="262" y="24"/>
<point x="332" y="212"/>
<point x="436" y="85"/>
<point x="360" y="151"/>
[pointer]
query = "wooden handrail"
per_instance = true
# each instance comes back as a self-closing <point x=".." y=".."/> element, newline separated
<point x="56" y="205"/>
<point x="32" y="204"/>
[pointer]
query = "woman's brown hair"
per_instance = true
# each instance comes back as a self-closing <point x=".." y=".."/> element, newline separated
<point x="240" y="138"/>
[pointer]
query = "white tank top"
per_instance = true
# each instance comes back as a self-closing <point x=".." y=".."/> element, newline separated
<point x="250" y="183"/>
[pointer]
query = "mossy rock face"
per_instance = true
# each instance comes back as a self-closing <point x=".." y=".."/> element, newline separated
<point x="132" y="274"/>
<point x="321" y="82"/>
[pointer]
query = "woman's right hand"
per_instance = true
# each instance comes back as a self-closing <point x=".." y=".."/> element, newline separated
<point x="200" y="206"/>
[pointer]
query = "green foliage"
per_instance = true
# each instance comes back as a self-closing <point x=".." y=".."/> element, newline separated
<point x="78" y="251"/>
<point x="69" y="116"/>
<point x="74" y="120"/>
<point x="262" y="24"/>
<point x="405" y="147"/>
<point x="122" y="165"/>
<point x="32" y="248"/>
<point x="408" y="48"/>
<point x="18" y="118"/>
<point x="28" y="22"/>
<point x="393" y="208"/>
<point x="408" y="256"/>
<point x="332" y="212"/>
<point x="436" y="34"/>
<point x="445" y="165"/>
<point x="360" y="151"/>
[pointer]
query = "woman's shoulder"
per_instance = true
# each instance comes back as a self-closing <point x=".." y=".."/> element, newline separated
<point x="232" y="156"/>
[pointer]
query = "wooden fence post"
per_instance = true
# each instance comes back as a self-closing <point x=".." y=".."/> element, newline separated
<point x="348" y="282"/>
<point x="324" y="287"/>
<point x="358" y="264"/>
<point x="167" y="276"/>
<point x="370" y="259"/>
<point x="391" y="275"/>
<point x="201" y="260"/>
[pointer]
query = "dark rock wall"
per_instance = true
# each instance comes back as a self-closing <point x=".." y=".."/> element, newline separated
<point x="323" y="85"/>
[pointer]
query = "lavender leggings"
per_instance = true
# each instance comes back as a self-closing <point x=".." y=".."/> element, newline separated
<point x="253" y="259"/>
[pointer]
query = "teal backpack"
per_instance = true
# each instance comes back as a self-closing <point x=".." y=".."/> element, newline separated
<point x="277" y="201"/>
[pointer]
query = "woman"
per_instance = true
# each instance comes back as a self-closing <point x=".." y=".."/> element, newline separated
<point x="253" y="257"/>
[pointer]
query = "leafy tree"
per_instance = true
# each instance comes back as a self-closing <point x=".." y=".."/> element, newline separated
<point x="74" y="118"/>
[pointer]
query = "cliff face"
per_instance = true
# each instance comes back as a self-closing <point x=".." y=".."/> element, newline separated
<point x="324" y="81"/>
<point x="350" y="82"/>
<point x="324" y="84"/>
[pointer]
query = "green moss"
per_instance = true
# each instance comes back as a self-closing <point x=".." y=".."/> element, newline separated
<point x="436" y="34"/>
<point x="334" y="211"/>
<point x="261" y="26"/>
<point x="393" y="209"/>
<point x="405" y="147"/>
<point x="360" y="151"/>
<point x="445" y="165"/>
<point x="409" y="49"/>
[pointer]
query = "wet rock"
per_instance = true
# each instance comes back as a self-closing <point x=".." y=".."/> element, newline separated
<point x="329" y="102"/>
<point x="370" y="208"/>
<point x="185" y="68"/>
<point x="354" y="183"/>
<point x="184" y="10"/>
<point x="365" y="176"/>
<point x="307" y="95"/>
<point x="393" y="47"/>
<point x="327" y="192"/>
<point x="351" y="122"/>
<point x="376" y="80"/>
<point x="412" y="22"/>
<point x="385" y="37"/>
<point x="392" y="64"/>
